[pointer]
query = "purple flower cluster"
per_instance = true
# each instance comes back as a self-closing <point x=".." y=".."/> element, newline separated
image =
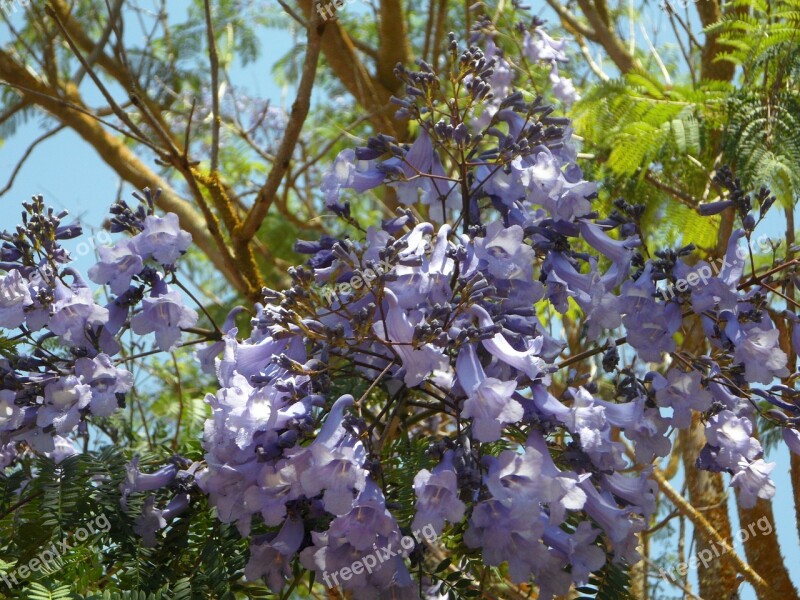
<point x="435" y="316"/>
<point x="453" y="318"/>
<point x="64" y="368"/>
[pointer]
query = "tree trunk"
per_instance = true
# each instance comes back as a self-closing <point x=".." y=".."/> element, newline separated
<point x="717" y="578"/>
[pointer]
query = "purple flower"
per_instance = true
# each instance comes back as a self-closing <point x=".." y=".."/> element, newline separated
<point x="149" y="523"/>
<point x="347" y="172"/>
<point x="77" y="318"/>
<point x="509" y="184"/>
<point x="510" y="533"/>
<point x="437" y="496"/>
<point x="11" y="415"/>
<point x="165" y="314"/>
<point x="639" y="491"/>
<point x="14" y="299"/>
<point x="588" y="289"/>
<point x="152" y="520"/>
<point x="417" y="362"/>
<point x="753" y="482"/>
<point x="505" y="254"/>
<point x="562" y="87"/>
<point x="760" y="352"/>
<point x="527" y="361"/>
<point x="106" y="381"/>
<point x="560" y="490"/>
<point x="731" y="435"/>
<point x="489" y="404"/>
<point x="374" y="532"/>
<point x="162" y="239"/>
<point x="620" y="252"/>
<point x="682" y="392"/>
<point x="271" y="558"/>
<point x="136" y="481"/>
<point x="339" y="472"/>
<point x="579" y="548"/>
<point x="544" y="48"/>
<point x="588" y="421"/>
<point x="619" y="524"/>
<point x="8" y="453"/>
<point x="792" y="439"/>
<point x="333" y="463"/>
<point x="64" y="400"/>
<point x="367" y="521"/>
<point x="118" y="265"/>
<point x="273" y="491"/>
<point x="419" y="161"/>
<point x="63" y="449"/>
<point x="650" y="325"/>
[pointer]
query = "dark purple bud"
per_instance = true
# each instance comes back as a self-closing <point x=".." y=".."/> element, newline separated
<point x="68" y="232"/>
<point x="287" y="439"/>
<point x="714" y="208"/>
<point x="461" y="133"/>
<point x="367" y="153"/>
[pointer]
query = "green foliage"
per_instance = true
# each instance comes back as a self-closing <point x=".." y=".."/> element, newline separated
<point x="7" y="347"/>
<point x="660" y="143"/>
<point x="612" y="582"/>
<point x="402" y="460"/>
<point x="763" y="131"/>
<point x="198" y="558"/>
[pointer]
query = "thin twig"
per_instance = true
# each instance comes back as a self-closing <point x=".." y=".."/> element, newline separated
<point x="180" y="401"/>
<point x="283" y="156"/>
<point x="25" y="156"/>
<point x="213" y="59"/>
<point x="708" y="531"/>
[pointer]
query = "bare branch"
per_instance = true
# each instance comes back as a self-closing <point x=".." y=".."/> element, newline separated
<point x="570" y="22"/>
<point x="113" y="16"/>
<point x="25" y="156"/>
<point x="213" y="59"/>
<point x="297" y="118"/>
<point x="341" y="54"/>
<point x="706" y="529"/>
<point x="71" y="111"/>
<point x="607" y="37"/>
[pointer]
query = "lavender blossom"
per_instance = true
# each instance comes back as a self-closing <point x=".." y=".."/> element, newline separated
<point x="165" y="315"/>
<point x="14" y="299"/>
<point x="162" y="239"/>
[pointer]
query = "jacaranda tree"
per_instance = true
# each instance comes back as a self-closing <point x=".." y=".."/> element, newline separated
<point x="472" y="396"/>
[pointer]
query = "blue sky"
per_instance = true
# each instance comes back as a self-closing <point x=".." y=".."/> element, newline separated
<point x="70" y="175"/>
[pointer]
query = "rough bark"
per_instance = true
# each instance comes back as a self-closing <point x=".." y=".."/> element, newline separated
<point x="710" y="11"/>
<point x="340" y="53"/>
<point x="717" y="580"/>
<point x="763" y="551"/>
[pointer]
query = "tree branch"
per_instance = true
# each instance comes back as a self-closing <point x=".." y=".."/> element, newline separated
<point x="709" y="533"/>
<point x="394" y="44"/>
<point x="69" y="109"/>
<point x="607" y="37"/>
<point x="342" y="57"/>
<point x="213" y="60"/>
<point x="297" y="118"/>
<point x="28" y="152"/>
